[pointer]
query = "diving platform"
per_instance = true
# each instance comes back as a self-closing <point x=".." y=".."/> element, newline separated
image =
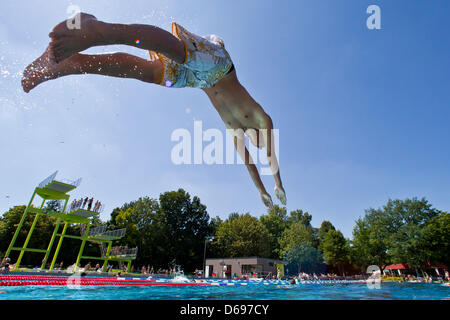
<point x="77" y="216"/>
<point x="57" y="189"/>
<point x="50" y="187"/>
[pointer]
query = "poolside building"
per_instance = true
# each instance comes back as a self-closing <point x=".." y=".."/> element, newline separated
<point x="245" y="266"/>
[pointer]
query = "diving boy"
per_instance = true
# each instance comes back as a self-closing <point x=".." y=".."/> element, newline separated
<point x="177" y="60"/>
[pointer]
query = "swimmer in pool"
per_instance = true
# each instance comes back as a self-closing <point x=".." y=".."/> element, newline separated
<point x="177" y="60"/>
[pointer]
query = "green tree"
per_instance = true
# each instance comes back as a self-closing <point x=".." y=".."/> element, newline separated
<point x="242" y="236"/>
<point x="304" y="257"/>
<point x="336" y="249"/>
<point x="53" y="205"/>
<point x="436" y="239"/>
<point x="275" y="221"/>
<point x="323" y="230"/>
<point x="391" y="234"/>
<point x="298" y="216"/>
<point x="185" y="224"/>
<point x="297" y="233"/>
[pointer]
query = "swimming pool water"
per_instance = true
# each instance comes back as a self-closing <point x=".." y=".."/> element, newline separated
<point x="352" y="291"/>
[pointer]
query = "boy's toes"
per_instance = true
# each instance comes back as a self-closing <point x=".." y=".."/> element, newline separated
<point x="26" y="84"/>
<point x="56" y="35"/>
<point x="56" y="44"/>
<point x="59" y="30"/>
<point x="60" y="54"/>
<point x="87" y="16"/>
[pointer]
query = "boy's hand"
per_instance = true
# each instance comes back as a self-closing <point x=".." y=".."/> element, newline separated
<point x="281" y="195"/>
<point x="265" y="197"/>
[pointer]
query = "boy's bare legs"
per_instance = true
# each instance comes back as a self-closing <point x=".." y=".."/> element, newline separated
<point x="92" y="33"/>
<point x="121" y="65"/>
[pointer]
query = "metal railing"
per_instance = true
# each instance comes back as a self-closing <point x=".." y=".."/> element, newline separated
<point x="75" y="183"/>
<point x="119" y="233"/>
<point x="122" y="251"/>
<point x="97" y="231"/>
<point x="47" y="180"/>
<point x="52" y="177"/>
<point x="84" y="205"/>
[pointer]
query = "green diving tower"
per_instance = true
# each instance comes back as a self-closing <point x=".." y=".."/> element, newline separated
<point x="58" y="189"/>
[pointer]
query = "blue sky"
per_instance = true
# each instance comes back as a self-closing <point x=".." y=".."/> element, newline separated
<point x="363" y="114"/>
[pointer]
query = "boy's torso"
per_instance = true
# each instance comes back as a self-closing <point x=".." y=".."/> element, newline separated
<point x="234" y="104"/>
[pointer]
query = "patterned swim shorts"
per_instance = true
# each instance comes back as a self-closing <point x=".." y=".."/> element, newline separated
<point x="207" y="61"/>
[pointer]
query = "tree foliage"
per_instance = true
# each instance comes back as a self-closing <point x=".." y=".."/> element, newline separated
<point x="275" y="221"/>
<point x="304" y="257"/>
<point x="297" y="233"/>
<point x="242" y="236"/>
<point x="393" y="233"/>
<point x="335" y="248"/>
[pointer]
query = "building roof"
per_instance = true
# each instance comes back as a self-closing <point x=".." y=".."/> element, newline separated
<point x="398" y="266"/>
<point x="401" y="266"/>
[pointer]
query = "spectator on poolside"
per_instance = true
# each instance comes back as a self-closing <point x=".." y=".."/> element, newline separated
<point x="6" y="265"/>
<point x="2" y="265"/>
<point x="87" y="267"/>
<point x="85" y="202"/>
<point x="90" y="204"/>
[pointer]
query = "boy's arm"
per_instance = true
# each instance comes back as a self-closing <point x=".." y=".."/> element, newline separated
<point x="268" y="137"/>
<point x="241" y="149"/>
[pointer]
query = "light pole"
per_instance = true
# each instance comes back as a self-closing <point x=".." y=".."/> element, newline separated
<point x="204" y="256"/>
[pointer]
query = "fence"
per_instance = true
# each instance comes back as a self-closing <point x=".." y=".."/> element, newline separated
<point x="119" y="251"/>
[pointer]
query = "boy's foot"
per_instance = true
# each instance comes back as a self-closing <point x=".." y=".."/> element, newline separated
<point x="66" y="42"/>
<point x="40" y="70"/>
<point x="281" y="195"/>
<point x="265" y="197"/>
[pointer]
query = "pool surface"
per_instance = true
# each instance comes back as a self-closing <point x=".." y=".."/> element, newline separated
<point x="331" y="291"/>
